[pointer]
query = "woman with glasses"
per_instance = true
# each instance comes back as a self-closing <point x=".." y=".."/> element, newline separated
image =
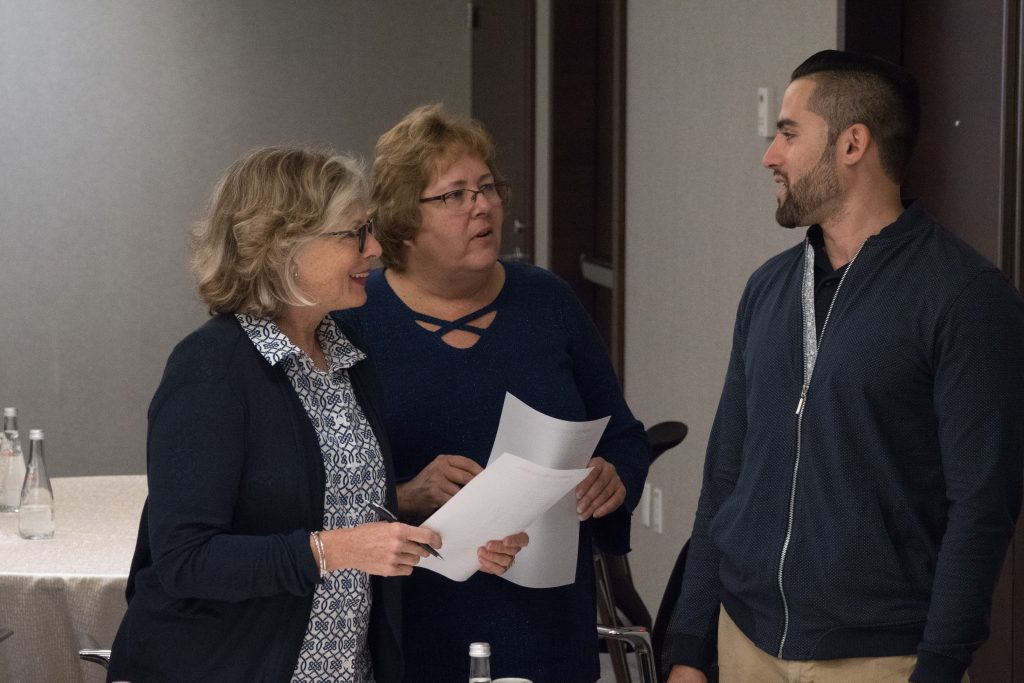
<point x="451" y="328"/>
<point x="260" y="553"/>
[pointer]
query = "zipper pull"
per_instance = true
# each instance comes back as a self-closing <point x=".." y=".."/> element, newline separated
<point x="803" y="398"/>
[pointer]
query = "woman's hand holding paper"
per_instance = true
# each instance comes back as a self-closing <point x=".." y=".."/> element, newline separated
<point x="497" y="556"/>
<point x="601" y="492"/>
<point x="434" y="485"/>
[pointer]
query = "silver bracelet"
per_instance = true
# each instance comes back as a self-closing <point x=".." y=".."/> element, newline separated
<point x="321" y="558"/>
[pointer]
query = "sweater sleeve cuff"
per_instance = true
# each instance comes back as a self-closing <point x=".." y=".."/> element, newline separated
<point x="611" y="532"/>
<point x="685" y="650"/>
<point x="309" y="571"/>
<point x="935" y="668"/>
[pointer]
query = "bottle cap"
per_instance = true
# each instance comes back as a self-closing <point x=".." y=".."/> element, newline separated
<point x="479" y="650"/>
<point x="10" y="412"/>
<point x="35" y="435"/>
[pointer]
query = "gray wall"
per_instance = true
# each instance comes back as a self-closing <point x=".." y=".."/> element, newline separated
<point x="699" y="217"/>
<point x="116" y="118"/>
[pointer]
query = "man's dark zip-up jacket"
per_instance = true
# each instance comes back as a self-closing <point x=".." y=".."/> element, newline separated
<point x="910" y="468"/>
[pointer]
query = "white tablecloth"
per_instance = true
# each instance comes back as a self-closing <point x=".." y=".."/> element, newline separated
<point x="58" y="593"/>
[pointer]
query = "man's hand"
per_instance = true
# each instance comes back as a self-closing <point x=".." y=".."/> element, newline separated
<point x="435" y="484"/>
<point x="601" y="492"/>
<point x="686" y="674"/>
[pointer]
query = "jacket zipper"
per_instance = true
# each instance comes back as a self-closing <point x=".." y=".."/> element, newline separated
<point x="789" y="522"/>
<point x="810" y="358"/>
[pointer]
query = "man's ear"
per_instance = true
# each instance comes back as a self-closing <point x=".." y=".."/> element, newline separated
<point x="853" y="144"/>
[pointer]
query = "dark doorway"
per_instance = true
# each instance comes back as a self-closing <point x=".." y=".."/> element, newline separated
<point x="503" y="65"/>
<point x="587" y="130"/>
<point x="967" y="171"/>
<point x="588" y="158"/>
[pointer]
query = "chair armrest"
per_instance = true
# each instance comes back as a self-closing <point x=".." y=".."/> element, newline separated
<point x="639" y="638"/>
<point x="101" y="657"/>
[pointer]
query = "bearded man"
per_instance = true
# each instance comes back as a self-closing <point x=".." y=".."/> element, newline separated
<point x="864" y="471"/>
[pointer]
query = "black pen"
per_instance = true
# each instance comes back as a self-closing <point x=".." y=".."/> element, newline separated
<point x="389" y="516"/>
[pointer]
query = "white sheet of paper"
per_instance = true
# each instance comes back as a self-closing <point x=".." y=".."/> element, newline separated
<point x="550" y="558"/>
<point x="504" y="499"/>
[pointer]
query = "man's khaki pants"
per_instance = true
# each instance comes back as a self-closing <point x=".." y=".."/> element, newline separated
<point x="740" y="661"/>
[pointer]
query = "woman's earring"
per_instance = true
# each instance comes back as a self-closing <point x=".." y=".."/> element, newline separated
<point x="295" y="273"/>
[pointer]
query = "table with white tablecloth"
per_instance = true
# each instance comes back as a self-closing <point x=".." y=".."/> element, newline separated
<point x="59" y="594"/>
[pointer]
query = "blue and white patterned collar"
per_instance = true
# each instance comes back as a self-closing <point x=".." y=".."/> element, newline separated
<point x="275" y="346"/>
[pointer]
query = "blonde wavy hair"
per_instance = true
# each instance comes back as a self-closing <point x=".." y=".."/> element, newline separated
<point x="423" y="145"/>
<point x="266" y="207"/>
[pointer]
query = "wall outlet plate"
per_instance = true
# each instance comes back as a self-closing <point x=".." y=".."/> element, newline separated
<point x="656" y="517"/>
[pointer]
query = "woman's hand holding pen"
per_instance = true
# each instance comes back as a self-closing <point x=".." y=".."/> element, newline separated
<point x="497" y="556"/>
<point x="601" y="492"/>
<point x="435" y="484"/>
<point x="381" y="548"/>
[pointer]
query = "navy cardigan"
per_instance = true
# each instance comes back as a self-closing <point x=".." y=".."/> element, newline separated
<point x="222" y="581"/>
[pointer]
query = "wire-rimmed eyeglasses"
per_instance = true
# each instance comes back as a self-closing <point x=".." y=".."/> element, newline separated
<point x="463" y="198"/>
<point x="359" y="233"/>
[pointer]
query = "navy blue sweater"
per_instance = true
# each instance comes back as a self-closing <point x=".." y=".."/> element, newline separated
<point x="222" y="581"/>
<point x="909" y="480"/>
<point x="543" y="348"/>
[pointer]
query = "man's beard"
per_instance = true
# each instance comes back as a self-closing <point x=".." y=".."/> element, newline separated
<point x="805" y="198"/>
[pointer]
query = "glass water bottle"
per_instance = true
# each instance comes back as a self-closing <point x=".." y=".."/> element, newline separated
<point x="35" y="515"/>
<point x="479" y="663"/>
<point x="12" y="463"/>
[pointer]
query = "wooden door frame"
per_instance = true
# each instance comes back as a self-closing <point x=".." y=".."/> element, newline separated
<point x="1012" y="263"/>
<point x="1010" y="213"/>
<point x="618" y="194"/>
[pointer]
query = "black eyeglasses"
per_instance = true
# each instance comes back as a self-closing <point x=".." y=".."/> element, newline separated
<point x="464" y="198"/>
<point x="359" y="233"/>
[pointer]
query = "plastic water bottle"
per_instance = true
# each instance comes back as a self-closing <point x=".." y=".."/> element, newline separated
<point x="479" y="663"/>
<point x="12" y="463"/>
<point x="35" y="515"/>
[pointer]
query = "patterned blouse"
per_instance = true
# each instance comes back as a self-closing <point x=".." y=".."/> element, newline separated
<point x="334" y="648"/>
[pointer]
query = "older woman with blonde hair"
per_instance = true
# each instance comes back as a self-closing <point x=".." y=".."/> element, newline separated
<point x="261" y="555"/>
<point x="451" y="329"/>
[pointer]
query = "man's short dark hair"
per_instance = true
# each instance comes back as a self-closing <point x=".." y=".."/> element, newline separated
<point x="852" y="88"/>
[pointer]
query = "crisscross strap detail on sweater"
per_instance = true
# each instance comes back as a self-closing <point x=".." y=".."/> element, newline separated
<point x="463" y="323"/>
